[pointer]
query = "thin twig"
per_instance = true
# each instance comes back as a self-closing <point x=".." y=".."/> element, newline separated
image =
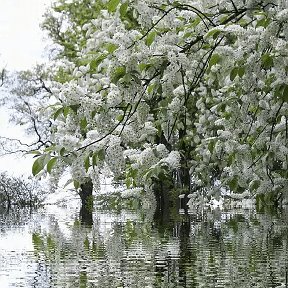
<point x="105" y="135"/>
<point x="152" y="27"/>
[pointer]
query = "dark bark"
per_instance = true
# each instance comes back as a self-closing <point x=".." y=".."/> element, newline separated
<point x="86" y="210"/>
<point x="162" y="140"/>
<point x="184" y="170"/>
<point x="162" y="191"/>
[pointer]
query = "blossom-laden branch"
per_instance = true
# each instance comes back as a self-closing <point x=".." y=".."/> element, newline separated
<point x="111" y="130"/>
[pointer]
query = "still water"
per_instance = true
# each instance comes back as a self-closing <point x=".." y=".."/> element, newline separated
<point x="50" y="248"/>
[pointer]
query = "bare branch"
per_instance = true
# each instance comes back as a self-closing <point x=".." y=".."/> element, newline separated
<point x="2" y="77"/>
<point x="236" y="10"/>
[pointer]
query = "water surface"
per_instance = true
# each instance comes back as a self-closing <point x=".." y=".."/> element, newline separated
<point x="51" y="248"/>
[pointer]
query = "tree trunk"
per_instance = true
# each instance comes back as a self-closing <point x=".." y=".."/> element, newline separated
<point x="184" y="170"/>
<point x="162" y="190"/>
<point x="86" y="203"/>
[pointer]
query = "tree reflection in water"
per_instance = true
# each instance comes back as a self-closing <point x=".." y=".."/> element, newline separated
<point x="129" y="249"/>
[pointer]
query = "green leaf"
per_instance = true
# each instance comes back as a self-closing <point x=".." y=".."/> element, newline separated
<point x="127" y="78"/>
<point x="120" y="118"/>
<point x="215" y="58"/>
<point x="129" y="182"/>
<point x="211" y="146"/>
<point x="51" y="245"/>
<point x="123" y="9"/>
<point x="76" y="184"/>
<point x="87" y="163"/>
<point x="150" y="88"/>
<point x="83" y="124"/>
<point x="233" y="184"/>
<point x="281" y="92"/>
<point x="86" y="243"/>
<point x="142" y="66"/>
<point x="241" y="71"/>
<point x="150" y="38"/>
<point x="213" y="32"/>
<point x="93" y="113"/>
<point x="101" y="154"/>
<point x="231" y="159"/>
<point x="95" y="62"/>
<point x="267" y="61"/>
<point x="285" y="93"/>
<point x="34" y="152"/>
<point x="195" y="22"/>
<point x="264" y="22"/>
<point x="112" y="5"/>
<point x="38" y="165"/>
<point x="66" y="111"/>
<point x="118" y="73"/>
<point x="50" y="164"/>
<point x="74" y="108"/>
<point x="254" y="184"/>
<point x="233" y="73"/>
<point x="94" y="159"/>
<point x="62" y="151"/>
<point x="57" y="113"/>
<point x="111" y="47"/>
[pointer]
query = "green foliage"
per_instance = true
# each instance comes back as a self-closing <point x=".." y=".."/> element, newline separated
<point x="40" y="163"/>
<point x="263" y="22"/>
<point x="112" y="5"/>
<point x="150" y="38"/>
<point x="51" y="163"/>
<point x="237" y="71"/>
<point x="117" y="74"/>
<point x="281" y="92"/>
<point x="123" y="9"/>
<point x="267" y="61"/>
<point x="215" y="59"/>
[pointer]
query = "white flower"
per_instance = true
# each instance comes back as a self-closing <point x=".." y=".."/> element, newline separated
<point x="282" y="16"/>
<point x="263" y="104"/>
<point x="175" y="106"/>
<point x="173" y="160"/>
<point x="162" y="150"/>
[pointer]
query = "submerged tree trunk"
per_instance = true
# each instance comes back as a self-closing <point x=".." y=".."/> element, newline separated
<point x="162" y="190"/>
<point x="185" y="149"/>
<point x="86" y="203"/>
<point x="186" y="255"/>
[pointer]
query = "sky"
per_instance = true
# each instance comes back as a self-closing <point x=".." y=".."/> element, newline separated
<point x="22" y="41"/>
<point x="22" y="44"/>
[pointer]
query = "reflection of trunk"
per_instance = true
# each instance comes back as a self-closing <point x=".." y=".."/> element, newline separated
<point x="187" y="256"/>
<point x="162" y="194"/>
<point x="86" y="203"/>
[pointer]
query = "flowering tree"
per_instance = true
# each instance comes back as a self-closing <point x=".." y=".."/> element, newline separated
<point x="149" y="89"/>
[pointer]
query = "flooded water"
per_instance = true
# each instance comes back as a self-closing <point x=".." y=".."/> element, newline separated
<point x="50" y="248"/>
